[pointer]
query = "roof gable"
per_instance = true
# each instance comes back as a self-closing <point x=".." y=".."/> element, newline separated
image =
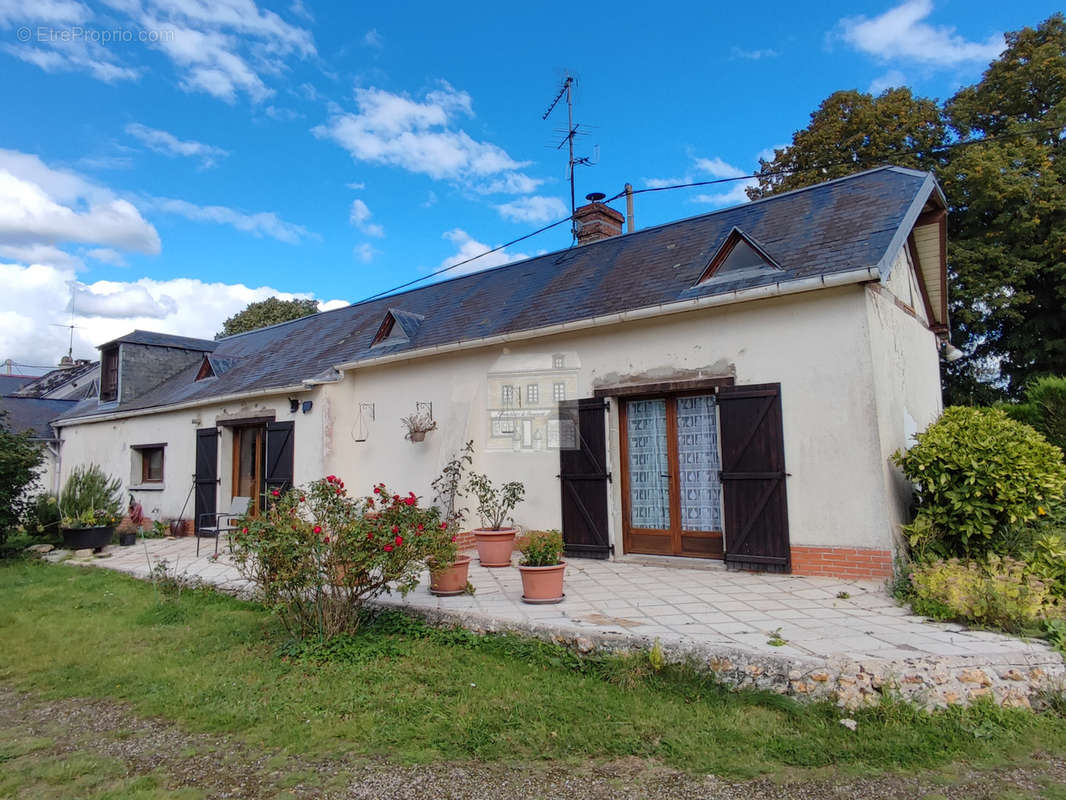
<point x="398" y="327"/>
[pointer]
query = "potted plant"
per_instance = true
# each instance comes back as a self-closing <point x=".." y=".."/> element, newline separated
<point x="90" y="504"/>
<point x="542" y="567"/>
<point x="449" y="570"/>
<point x="418" y="425"/>
<point x="495" y="540"/>
<point x="127" y="533"/>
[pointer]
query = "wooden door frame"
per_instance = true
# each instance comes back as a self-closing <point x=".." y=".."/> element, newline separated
<point x="675" y="532"/>
<point x="253" y="507"/>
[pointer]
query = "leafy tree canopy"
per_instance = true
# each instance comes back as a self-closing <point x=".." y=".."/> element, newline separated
<point x="997" y="149"/>
<point x="266" y="312"/>
<point x="20" y="457"/>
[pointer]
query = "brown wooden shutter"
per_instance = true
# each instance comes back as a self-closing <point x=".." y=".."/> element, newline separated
<point x="753" y="478"/>
<point x="206" y="480"/>
<point x="583" y="477"/>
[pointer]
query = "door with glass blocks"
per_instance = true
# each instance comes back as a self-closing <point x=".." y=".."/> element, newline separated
<point x="672" y="490"/>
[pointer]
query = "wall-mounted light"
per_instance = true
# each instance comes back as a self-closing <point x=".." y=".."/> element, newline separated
<point x="308" y="404"/>
<point x="294" y="405"/>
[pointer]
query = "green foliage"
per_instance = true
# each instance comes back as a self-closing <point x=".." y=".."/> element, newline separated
<point x="317" y="555"/>
<point x="541" y="548"/>
<point x="448" y="489"/>
<point x="495" y="503"/>
<point x="999" y="592"/>
<point x="1006" y="195"/>
<point x="19" y="459"/>
<point x="852" y="131"/>
<point x="271" y="311"/>
<point x="978" y="474"/>
<point x="90" y="498"/>
<point x="43" y="518"/>
<point x="1047" y="561"/>
<point x="1044" y="408"/>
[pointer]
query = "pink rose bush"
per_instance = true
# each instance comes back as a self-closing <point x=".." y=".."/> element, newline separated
<point x="317" y="554"/>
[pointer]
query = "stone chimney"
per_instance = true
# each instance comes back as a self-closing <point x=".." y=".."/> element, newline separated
<point x="596" y="221"/>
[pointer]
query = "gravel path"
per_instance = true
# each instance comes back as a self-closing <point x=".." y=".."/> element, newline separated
<point x="224" y="767"/>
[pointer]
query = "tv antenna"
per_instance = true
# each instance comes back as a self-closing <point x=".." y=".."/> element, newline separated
<point x="572" y="130"/>
<point x="71" y="326"/>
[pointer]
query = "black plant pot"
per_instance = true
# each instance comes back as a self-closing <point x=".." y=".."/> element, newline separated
<point x="88" y="538"/>
<point x="127" y="539"/>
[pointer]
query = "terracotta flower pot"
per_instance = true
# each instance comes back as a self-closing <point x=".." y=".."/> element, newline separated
<point x="452" y="580"/>
<point x="542" y="584"/>
<point x="494" y="547"/>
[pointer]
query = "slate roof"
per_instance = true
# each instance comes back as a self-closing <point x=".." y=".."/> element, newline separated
<point x="34" y="414"/>
<point x="12" y="383"/>
<point x="851" y="223"/>
<point x="165" y="340"/>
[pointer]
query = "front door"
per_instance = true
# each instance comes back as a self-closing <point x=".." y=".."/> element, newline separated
<point x="672" y="492"/>
<point x="248" y="464"/>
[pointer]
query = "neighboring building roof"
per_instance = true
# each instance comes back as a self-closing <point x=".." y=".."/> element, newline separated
<point x="12" y="383"/>
<point x="164" y="340"/>
<point x="34" y="414"/>
<point x="66" y="383"/>
<point x="854" y="223"/>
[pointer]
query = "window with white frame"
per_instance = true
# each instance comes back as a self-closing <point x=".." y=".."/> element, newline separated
<point x="532" y="393"/>
<point x="507" y="395"/>
<point x="558" y="361"/>
<point x="558" y="392"/>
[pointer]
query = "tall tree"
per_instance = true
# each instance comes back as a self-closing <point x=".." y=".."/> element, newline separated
<point x="1007" y="230"/>
<point x="266" y="312"/>
<point x="852" y="131"/>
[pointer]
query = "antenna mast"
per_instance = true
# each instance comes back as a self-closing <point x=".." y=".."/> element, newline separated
<point x="71" y="326"/>
<point x="567" y="90"/>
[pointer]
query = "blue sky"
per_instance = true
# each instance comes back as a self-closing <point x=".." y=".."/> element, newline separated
<point x="176" y="159"/>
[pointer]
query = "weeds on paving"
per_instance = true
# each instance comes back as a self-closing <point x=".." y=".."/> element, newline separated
<point x="403" y="690"/>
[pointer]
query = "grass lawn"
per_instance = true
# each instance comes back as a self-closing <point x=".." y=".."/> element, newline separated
<point x="217" y="665"/>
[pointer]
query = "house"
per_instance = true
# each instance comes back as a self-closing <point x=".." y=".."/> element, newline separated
<point x="31" y="402"/>
<point x="730" y="386"/>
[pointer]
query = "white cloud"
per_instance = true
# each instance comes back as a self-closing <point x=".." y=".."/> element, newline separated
<point x="360" y="215"/>
<point x="468" y="247"/>
<point x="418" y="135"/>
<point x="716" y="169"/>
<point x="508" y="183"/>
<point x="536" y="208"/>
<point x="105" y="255"/>
<point x="753" y="55"/>
<point x="901" y="33"/>
<point x="282" y="114"/>
<point x="44" y="206"/>
<point x="222" y="47"/>
<point x="170" y="145"/>
<point x="889" y="80"/>
<point x="365" y="252"/>
<point x="356" y="185"/>
<point x="261" y="223"/>
<point x="35" y="296"/>
<point x="373" y="39"/>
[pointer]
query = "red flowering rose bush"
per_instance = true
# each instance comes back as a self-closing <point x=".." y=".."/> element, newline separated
<point x="317" y="554"/>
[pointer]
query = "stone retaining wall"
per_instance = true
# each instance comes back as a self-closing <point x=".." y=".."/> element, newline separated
<point x="931" y="682"/>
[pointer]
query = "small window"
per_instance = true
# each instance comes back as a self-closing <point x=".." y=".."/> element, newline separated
<point x="558" y="392"/>
<point x="503" y="427"/>
<point x="558" y="361"/>
<point x="532" y="393"/>
<point x="109" y="375"/>
<point x="151" y="464"/>
<point x="507" y="395"/>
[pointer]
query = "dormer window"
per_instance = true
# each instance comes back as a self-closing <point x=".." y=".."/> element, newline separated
<point x="398" y="327"/>
<point x="109" y="375"/>
<point x="740" y="256"/>
<point x="206" y="370"/>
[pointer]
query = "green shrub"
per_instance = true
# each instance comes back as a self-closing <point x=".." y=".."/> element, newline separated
<point x="541" y="549"/>
<point x="1044" y="408"/>
<point x="20" y="457"/>
<point x="1047" y="560"/>
<point x="43" y="517"/>
<point x="90" y="498"/>
<point x="998" y="592"/>
<point x="978" y="474"/>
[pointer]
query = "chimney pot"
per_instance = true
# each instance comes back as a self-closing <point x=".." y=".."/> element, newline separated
<point x="595" y="220"/>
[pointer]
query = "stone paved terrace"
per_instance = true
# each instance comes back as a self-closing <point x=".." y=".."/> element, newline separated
<point x="850" y="647"/>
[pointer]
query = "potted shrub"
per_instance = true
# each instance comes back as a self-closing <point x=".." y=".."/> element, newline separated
<point x="90" y="504"/>
<point x="495" y="540"/>
<point x="449" y="570"/>
<point x="418" y="425"/>
<point x="542" y="567"/>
